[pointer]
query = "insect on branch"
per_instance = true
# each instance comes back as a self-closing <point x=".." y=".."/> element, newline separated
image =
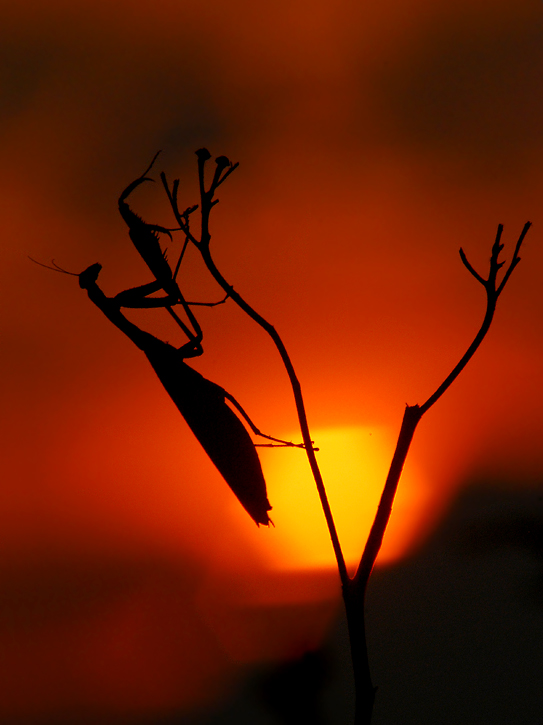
<point x="224" y="167"/>
<point x="217" y="419"/>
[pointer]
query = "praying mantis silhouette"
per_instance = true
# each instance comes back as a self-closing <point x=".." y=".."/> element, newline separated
<point x="201" y="402"/>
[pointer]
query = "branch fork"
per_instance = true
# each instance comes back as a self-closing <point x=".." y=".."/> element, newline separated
<point x="354" y="588"/>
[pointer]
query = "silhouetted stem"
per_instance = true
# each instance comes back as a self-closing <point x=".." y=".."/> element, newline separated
<point x="298" y="399"/>
<point x="203" y="245"/>
<point x="364" y="689"/>
<point x="411" y="417"/>
<point x="414" y="413"/>
<point x="492" y="294"/>
<point x="354" y="592"/>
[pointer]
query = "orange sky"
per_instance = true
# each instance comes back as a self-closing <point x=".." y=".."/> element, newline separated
<point x="373" y="143"/>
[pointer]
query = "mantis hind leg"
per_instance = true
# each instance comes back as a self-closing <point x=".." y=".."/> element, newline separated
<point x="256" y="430"/>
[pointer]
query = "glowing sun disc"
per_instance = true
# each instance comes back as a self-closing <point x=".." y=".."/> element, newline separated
<point x="354" y="463"/>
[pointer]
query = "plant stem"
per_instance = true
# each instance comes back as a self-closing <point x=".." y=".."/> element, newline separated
<point x="353" y="590"/>
<point x="411" y="417"/>
<point x="354" y="593"/>
<point x="299" y="402"/>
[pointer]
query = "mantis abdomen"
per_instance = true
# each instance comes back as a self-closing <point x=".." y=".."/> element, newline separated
<point x="218" y="429"/>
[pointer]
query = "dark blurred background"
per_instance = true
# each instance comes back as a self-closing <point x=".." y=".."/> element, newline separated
<point x="373" y="141"/>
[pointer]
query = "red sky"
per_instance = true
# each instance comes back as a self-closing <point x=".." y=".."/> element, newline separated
<point x="373" y="142"/>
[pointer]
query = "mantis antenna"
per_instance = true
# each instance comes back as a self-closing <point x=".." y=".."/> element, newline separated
<point x="55" y="267"/>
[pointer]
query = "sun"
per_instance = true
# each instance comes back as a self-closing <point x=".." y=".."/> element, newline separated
<point x="354" y="462"/>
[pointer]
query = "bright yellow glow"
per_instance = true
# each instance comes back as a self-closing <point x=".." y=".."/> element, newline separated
<point x="354" y="462"/>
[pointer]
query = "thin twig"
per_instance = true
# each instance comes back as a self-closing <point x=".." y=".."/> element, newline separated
<point x="492" y="294"/>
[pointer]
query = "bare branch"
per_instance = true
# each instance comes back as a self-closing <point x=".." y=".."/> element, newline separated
<point x="516" y="259"/>
<point x="477" y="276"/>
<point x="232" y="168"/>
<point x="413" y="413"/>
<point x="180" y="217"/>
<point x="492" y="294"/>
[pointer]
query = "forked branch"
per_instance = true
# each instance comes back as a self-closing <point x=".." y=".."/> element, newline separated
<point x="353" y="589"/>
<point x="493" y="291"/>
<point x="413" y="413"/>
<point x="354" y="592"/>
<point x="145" y="238"/>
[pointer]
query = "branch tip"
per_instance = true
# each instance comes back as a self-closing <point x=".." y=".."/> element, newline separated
<point x="469" y="267"/>
<point x="148" y="169"/>
<point x="222" y="162"/>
